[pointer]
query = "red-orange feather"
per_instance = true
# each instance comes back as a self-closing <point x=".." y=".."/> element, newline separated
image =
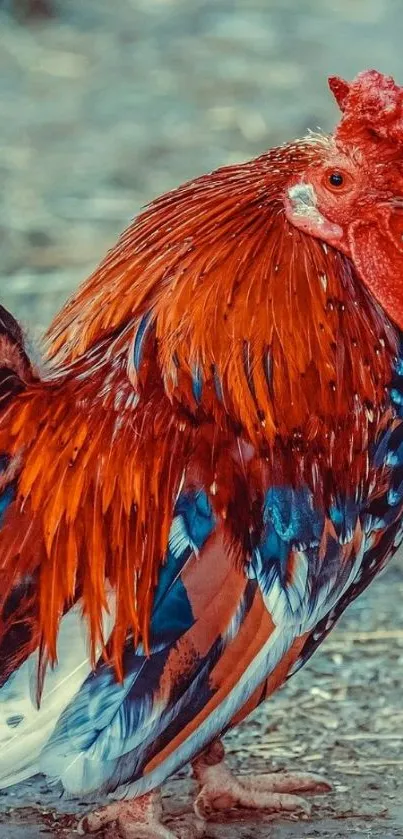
<point x="232" y="290"/>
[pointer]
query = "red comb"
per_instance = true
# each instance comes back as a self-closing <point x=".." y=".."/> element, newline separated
<point x="371" y="104"/>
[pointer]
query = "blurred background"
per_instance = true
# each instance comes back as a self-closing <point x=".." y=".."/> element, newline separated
<point x="104" y="104"/>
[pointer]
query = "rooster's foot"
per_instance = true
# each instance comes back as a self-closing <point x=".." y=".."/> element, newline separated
<point x="274" y="792"/>
<point x="139" y="818"/>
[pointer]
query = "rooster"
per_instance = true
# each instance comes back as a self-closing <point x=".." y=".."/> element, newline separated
<point x="205" y="471"/>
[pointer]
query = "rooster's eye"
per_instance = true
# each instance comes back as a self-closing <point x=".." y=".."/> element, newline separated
<point x="336" y="179"/>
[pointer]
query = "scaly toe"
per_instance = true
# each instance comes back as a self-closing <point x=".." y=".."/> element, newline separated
<point x="134" y="819"/>
<point x="291" y="782"/>
<point x="210" y="801"/>
<point x="130" y="830"/>
<point x="89" y="824"/>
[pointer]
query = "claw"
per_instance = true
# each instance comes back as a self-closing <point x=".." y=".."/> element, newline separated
<point x="211" y="799"/>
<point x="219" y="789"/>
<point x="139" y="818"/>
<point x="293" y="782"/>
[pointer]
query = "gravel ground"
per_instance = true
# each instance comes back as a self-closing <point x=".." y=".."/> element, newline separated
<point x="103" y="107"/>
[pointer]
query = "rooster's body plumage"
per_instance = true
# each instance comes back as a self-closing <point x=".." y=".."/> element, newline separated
<point x="207" y="470"/>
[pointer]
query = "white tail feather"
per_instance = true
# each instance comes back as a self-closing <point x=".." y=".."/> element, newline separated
<point x="24" y="728"/>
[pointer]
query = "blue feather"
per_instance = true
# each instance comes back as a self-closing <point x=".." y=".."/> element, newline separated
<point x="344" y="516"/>
<point x="6" y="498"/>
<point x="293" y="515"/>
<point x="218" y="385"/>
<point x="197" y="384"/>
<point x="139" y="340"/>
<point x="8" y="494"/>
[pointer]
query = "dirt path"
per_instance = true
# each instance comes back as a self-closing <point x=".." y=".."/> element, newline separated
<point x="103" y="108"/>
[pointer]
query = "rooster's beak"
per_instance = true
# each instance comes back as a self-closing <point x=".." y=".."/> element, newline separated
<point x="301" y="209"/>
<point x="302" y="199"/>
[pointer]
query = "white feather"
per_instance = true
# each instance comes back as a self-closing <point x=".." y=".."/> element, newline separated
<point x="25" y="729"/>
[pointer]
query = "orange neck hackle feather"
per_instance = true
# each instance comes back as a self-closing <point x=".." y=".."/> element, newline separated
<point x="238" y="297"/>
<point x="234" y="294"/>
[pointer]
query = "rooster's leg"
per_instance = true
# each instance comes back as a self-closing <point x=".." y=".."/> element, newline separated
<point x="138" y="818"/>
<point x="219" y="789"/>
